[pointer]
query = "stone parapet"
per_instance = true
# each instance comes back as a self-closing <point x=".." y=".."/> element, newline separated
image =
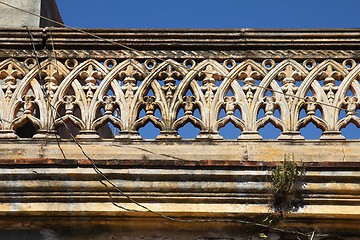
<point x="72" y="154"/>
<point x="102" y="84"/>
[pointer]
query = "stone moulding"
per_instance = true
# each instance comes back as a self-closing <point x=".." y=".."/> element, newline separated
<point x="183" y="55"/>
<point x="208" y="78"/>
<point x="183" y="180"/>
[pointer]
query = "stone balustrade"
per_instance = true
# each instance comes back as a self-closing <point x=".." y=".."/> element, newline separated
<point x="112" y="184"/>
<point x="112" y="98"/>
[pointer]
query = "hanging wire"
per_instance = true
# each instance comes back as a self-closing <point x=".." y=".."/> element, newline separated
<point x="97" y="170"/>
<point x="107" y="181"/>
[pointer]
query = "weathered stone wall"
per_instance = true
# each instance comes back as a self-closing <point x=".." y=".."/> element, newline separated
<point x="99" y="89"/>
<point x="11" y="17"/>
<point x="113" y="184"/>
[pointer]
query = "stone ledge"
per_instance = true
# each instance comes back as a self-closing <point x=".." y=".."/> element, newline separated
<point x="231" y="153"/>
<point x="188" y="39"/>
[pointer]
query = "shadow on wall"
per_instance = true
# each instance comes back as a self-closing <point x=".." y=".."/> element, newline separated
<point x="50" y="10"/>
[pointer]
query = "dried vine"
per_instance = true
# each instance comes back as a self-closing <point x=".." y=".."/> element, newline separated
<point x="286" y="179"/>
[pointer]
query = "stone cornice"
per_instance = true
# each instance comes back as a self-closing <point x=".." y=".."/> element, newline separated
<point x="186" y="39"/>
<point x="101" y="55"/>
<point x="189" y="153"/>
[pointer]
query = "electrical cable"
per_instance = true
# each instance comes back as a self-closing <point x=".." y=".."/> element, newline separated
<point x="97" y="170"/>
<point x="108" y="181"/>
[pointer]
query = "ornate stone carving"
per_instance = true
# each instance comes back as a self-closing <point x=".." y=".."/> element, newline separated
<point x="169" y="76"/>
<point x="245" y="87"/>
<point x="230" y="105"/>
<point x="130" y="76"/>
<point x="209" y="77"/>
<point x="28" y="104"/>
<point x="149" y="105"/>
<point x="69" y="102"/>
<point x="330" y="77"/>
<point x="90" y="76"/>
<point x="249" y="76"/>
<point x="184" y="54"/>
<point x="288" y="78"/>
<point x="51" y="77"/>
<point x="9" y="75"/>
<point x="189" y="104"/>
<point x="270" y="104"/>
<point x="351" y="105"/>
<point x="310" y="105"/>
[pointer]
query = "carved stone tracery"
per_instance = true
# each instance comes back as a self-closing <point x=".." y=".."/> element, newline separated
<point x="123" y="89"/>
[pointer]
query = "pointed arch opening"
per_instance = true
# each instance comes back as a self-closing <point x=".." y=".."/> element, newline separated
<point x="149" y="131"/>
<point x="108" y="130"/>
<point x="351" y="131"/>
<point x="68" y="130"/>
<point x="269" y="131"/>
<point x="311" y="131"/>
<point x="230" y="131"/>
<point x="188" y="131"/>
<point x="26" y="130"/>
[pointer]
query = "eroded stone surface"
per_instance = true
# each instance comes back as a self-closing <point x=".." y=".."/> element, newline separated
<point x="50" y="181"/>
<point x="11" y="17"/>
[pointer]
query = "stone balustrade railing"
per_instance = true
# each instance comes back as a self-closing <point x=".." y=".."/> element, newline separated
<point x="102" y="93"/>
<point x="100" y="89"/>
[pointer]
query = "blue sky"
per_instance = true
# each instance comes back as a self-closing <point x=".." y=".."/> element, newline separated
<point x="216" y="14"/>
<point x="211" y="13"/>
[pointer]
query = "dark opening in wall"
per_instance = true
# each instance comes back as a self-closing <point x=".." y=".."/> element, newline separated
<point x="68" y="130"/>
<point x="27" y="130"/>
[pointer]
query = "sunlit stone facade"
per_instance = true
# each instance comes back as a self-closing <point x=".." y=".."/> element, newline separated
<point x="208" y="187"/>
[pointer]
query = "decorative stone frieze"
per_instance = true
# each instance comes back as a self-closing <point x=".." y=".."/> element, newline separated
<point x="288" y="87"/>
<point x="103" y="95"/>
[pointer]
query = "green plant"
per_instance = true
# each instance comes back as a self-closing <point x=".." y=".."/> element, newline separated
<point x="285" y="179"/>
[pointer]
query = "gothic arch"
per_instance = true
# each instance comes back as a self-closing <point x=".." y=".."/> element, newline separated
<point x="310" y="82"/>
<point x="281" y="100"/>
<point x="110" y="82"/>
<point x="72" y="81"/>
<point x="231" y="82"/>
<point x="151" y="83"/>
<point x="209" y="67"/>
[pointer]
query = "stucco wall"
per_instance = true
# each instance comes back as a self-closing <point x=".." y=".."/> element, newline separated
<point x="10" y="17"/>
